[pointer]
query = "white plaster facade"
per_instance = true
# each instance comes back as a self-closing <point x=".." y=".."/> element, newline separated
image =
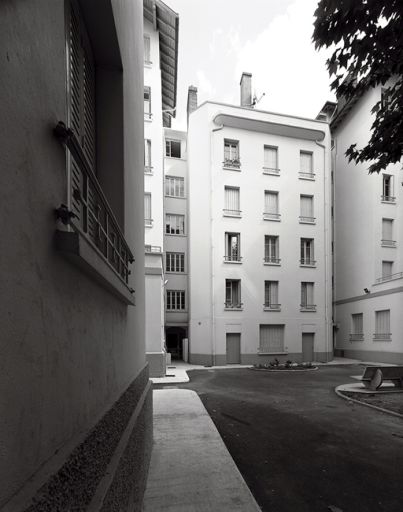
<point x="210" y="322"/>
<point x="359" y="251"/>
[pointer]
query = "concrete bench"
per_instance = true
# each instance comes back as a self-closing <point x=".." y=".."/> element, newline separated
<point x="374" y="376"/>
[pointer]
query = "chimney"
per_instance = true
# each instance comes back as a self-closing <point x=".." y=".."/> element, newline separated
<point x="246" y="90"/>
<point x="192" y="101"/>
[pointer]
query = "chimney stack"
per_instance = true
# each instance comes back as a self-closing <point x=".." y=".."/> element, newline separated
<point x="192" y="101"/>
<point x="246" y="90"/>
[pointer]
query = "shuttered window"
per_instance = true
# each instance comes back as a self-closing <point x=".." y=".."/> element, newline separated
<point x="147" y="210"/>
<point x="231" y="200"/>
<point x="387" y="267"/>
<point x="306" y="205"/>
<point x="387" y="229"/>
<point x="271" y="294"/>
<point x="147" y="155"/>
<point x="307" y="297"/>
<point x="147" y="50"/>
<point x="271" y="249"/>
<point x="270" y="157"/>
<point x="357" y="323"/>
<point x="306" y="162"/>
<point x="271" y="338"/>
<point x="81" y="85"/>
<point x="382" y="325"/>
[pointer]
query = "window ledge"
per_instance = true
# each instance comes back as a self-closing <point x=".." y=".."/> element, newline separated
<point x="233" y="309"/>
<point x="175" y="234"/>
<point x="271" y="309"/>
<point x="175" y="157"/>
<point x="233" y="262"/>
<point x="270" y="264"/>
<point x="272" y="353"/>
<point x="271" y="172"/>
<point x="236" y="169"/>
<point x="148" y="64"/>
<point x="79" y="251"/>
<point x="176" y="197"/>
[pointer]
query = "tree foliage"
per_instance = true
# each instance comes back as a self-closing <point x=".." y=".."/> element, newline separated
<point x="366" y="37"/>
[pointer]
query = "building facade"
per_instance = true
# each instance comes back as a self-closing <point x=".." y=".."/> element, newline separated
<point x="160" y="76"/>
<point x="76" y="402"/>
<point x="259" y="235"/>
<point x="176" y="243"/>
<point x="368" y="257"/>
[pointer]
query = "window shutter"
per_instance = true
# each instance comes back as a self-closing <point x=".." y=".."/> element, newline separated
<point x="146" y="49"/>
<point x="386" y="268"/>
<point x="306" y="162"/>
<point x="382" y="322"/>
<point x="232" y="199"/>
<point x="306" y="206"/>
<point x="271" y="202"/>
<point x="387" y="229"/>
<point x="271" y="338"/>
<point x="147" y="206"/>
<point x="270" y="157"/>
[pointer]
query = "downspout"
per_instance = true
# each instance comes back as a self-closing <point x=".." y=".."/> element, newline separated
<point x="212" y="301"/>
<point x="326" y="234"/>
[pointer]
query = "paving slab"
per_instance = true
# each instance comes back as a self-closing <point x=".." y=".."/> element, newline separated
<point x="191" y="469"/>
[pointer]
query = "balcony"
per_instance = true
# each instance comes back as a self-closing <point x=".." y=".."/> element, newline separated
<point x="308" y="308"/>
<point x="233" y="258"/>
<point x="231" y="213"/>
<point x="307" y="262"/>
<point x="273" y="171"/>
<point x="388" y="199"/>
<point x="233" y="306"/>
<point x="90" y="218"/>
<point x="152" y="249"/>
<point x="307" y="220"/>
<point x="271" y="307"/>
<point x="270" y="260"/>
<point x="388" y="243"/>
<point x="390" y="277"/>
<point x="233" y="164"/>
<point x="357" y="336"/>
<point x="272" y="216"/>
<point x="382" y="336"/>
<point x="306" y="176"/>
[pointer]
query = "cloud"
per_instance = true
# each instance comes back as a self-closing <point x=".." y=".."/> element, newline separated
<point x="205" y="88"/>
<point x="285" y="65"/>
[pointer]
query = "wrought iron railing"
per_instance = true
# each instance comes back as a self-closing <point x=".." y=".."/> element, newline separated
<point x="382" y="336"/>
<point x="271" y="216"/>
<point x="233" y="213"/>
<point x="271" y="259"/>
<point x="307" y="220"/>
<point x="232" y="257"/>
<point x="233" y="305"/>
<point x="389" y="277"/>
<point x="233" y="163"/>
<point x="271" y="170"/>
<point x="148" y="169"/>
<point x="307" y="262"/>
<point x="155" y="249"/>
<point x="90" y="213"/>
<point x="308" y="307"/>
<point x="388" y="199"/>
<point x="357" y="336"/>
<point x="269" y="306"/>
<point x="388" y="243"/>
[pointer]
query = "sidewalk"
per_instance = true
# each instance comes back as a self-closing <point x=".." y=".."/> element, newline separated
<point x="191" y="470"/>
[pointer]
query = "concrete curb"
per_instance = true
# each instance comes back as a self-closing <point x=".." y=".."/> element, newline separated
<point x="381" y="409"/>
<point x="284" y="371"/>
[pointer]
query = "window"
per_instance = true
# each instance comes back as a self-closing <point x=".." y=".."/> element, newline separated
<point x="357" y="327"/>
<point x="147" y="50"/>
<point x="148" y="222"/>
<point x="387" y="233"/>
<point x="271" y="206"/>
<point x="306" y="165"/>
<point x="231" y="201"/>
<point x="231" y="154"/>
<point x="270" y="165"/>
<point x="174" y="224"/>
<point x="175" y="262"/>
<point x="271" y="296"/>
<point x="175" y="300"/>
<point x="233" y="294"/>
<point x="174" y="186"/>
<point x="232" y="247"/>
<point x="382" y="326"/>
<point x="307" y="298"/>
<point x="147" y="156"/>
<point x="387" y="267"/>
<point x="271" y="339"/>
<point x="271" y="250"/>
<point x="387" y="188"/>
<point x="307" y="254"/>
<point x="147" y="102"/>
<point x="306" y="210"/>
<point x="173" y="148"/>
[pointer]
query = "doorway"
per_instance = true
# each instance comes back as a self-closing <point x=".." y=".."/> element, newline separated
<point x="174" y="343"/>
<point x="233" y="343"/>
<point x="308" y="346"/>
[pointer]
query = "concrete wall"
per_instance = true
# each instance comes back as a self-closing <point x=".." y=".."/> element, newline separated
<point x="358" y="233"/>
<point x="209" y="322"/>
<point x="70" y="348"/>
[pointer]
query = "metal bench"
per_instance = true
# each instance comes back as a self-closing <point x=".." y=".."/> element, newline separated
<point x="374" y="376"/>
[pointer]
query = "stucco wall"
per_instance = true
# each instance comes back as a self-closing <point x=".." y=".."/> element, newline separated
<point x="70" y="349"/>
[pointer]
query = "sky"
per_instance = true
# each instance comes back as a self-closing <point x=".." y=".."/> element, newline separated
<point x="219" y="39"/>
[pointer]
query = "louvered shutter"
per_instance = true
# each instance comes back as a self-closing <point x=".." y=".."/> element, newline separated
<point x="270" y="157"/>
<point x="147" y="207"/>
<point x="306" y="162"/>
<point x="358" y="324"/>
<point x="271" y="338"/>
<point x="232" y="199"/>
<point x="382" y="321"/>
<point x="386" y="268"/>
<point x="387" y="229"/>
<point x="271" y="202"/>
<point x="306" y="206"/>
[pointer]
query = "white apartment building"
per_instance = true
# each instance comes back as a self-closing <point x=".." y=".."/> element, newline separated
<point x="368" y="258"/>
<point x="176" y="243"/>
<point x="259" y="235"/>
<point x="161" y="26"/>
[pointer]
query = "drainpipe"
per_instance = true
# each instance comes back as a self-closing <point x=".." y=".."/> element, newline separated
<point x="212" y="301"/>
<point x="326" y="250"/>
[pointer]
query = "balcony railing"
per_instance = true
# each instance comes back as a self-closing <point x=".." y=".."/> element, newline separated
<point x="388" y="243"/>
<point x="271" y="170"/>
<point x="307" y="262"/>
<point x="307" y="307"/>
<point x="232" y="163"/>
<point x="390" y="277"/>
<point x="357" y="336"/>
<point x="306" y="220"/>
<point x="148" y="169"/>
<point x="382" y="336"/>
<point x="272" y="260"/>
<point x="232" y="258"/>
<point x="148" y="223"/>
<point x="152" y="249"/>
<point x="271" y="216"/>
<point x="271" y="307"/>
<point x="231" y="213"/>
<point x="233" y="305"/>
<point x="91" y="214"/>
<point x="388" y="199"/>
<point x="306" y="175"/>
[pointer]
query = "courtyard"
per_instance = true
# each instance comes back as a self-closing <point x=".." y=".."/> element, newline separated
<point x="298" y="445"/>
